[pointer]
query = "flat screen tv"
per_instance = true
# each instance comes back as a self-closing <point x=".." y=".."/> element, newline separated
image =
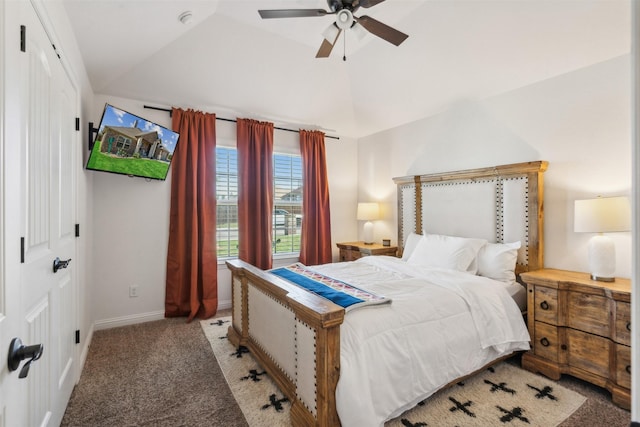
<point x="130" y="145"/>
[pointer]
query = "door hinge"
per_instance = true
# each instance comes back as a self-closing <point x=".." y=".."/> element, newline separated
<point x="77" y="230"/>
<point x="77" y="123"/>
<point x="77" y="336"/>
<point x="23" y="38"/>
<point x="22" y="250"/>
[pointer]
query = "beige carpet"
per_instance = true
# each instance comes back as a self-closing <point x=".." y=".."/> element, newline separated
<point x="502" y="395"/>
<point x="156" y="374"/>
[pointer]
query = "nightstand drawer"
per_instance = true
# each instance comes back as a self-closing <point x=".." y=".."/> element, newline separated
<point x="546" y="305"/>
<point x="623" y="366"/>
<point x="546" y="343"/>
<point x="589" y="352"/>
<point x="389" y="251"/>
<point x="623" y="323"/>
<point x="349" y="255"/>
<point x="588" y="313"/>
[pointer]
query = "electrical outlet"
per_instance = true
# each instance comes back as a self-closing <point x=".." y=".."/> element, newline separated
<point x="133" y="291"/>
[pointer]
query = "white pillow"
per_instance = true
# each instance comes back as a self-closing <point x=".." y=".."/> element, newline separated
<point x="498" y="261"/>
<point x="410" y="245"/>
<point x="455" y="253"/>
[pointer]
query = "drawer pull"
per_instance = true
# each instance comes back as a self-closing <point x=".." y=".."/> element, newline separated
<point x="629" y="326"/>
<point x="544" y="305"/>
<point x="628" y="369"/>
<point x="545" y="342"/>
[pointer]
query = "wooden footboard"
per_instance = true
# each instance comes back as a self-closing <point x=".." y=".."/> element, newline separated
<point x="294" y="335"/>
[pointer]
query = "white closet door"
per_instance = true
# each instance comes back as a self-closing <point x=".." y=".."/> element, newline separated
<point x="39" y="210"/>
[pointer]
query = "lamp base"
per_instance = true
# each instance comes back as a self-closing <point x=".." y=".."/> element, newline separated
<point x="602" y="258"/>
<point x="603" y="279"/>
<point x="368" y="233"/>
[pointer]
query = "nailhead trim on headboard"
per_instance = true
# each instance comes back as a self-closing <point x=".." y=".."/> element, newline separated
<point x="530" y="172"/>
<point x="500" y="212"/>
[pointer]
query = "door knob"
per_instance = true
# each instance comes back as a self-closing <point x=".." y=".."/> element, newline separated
<point x="58" y="264"/>
<point x="19" y="352"/>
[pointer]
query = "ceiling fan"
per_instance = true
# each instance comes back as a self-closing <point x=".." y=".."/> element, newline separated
<point x="345" y="19"/>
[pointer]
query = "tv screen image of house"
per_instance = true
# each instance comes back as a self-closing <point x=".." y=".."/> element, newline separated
<point x="131" y="145"/>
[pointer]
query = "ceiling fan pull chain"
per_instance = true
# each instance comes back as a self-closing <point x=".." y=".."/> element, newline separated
<point x="344" y="47"/>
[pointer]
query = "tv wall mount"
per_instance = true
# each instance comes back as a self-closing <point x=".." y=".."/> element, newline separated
<point x="92" y="133"/>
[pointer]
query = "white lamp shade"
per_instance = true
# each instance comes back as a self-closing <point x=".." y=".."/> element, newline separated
<point x="602" y="215"/>
<point x="368" y="211"/>
<point x="359" y="31"/>
<point x="331" y="33"/>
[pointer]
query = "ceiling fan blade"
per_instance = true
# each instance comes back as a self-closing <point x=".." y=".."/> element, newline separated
<point x="369" y="3"/>
<point x="292" y="13"/>
<point x="381" y="30"/>
<point x="326" y="47"/>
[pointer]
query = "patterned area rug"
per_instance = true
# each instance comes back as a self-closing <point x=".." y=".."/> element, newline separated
<point x="503" y="395"/>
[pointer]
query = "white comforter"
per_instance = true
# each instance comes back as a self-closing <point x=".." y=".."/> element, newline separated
<point x="440" y="325"/>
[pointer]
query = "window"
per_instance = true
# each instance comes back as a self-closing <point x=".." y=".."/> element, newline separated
<point x="287" y="213"/>
<point x="122" y="143"/>
<point x="227" y="202"/>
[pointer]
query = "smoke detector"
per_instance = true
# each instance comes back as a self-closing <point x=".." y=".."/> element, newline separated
<point x="186" y="17"/>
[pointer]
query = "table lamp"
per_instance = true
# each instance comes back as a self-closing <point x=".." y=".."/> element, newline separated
<point x="602" y="215"/>
<point x="368" y="212"/>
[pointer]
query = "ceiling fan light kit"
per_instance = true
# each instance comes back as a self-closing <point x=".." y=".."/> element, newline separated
<point x="358" y="30"/>
<point x="331" y="33"/>
<point x="344" y="20"/>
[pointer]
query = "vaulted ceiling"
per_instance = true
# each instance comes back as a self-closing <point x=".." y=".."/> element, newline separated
<point x="229" y="61"/>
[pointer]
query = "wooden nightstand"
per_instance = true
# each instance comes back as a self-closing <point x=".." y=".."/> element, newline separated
<point x="351" y="251"/>
<point x="580" y="327"/>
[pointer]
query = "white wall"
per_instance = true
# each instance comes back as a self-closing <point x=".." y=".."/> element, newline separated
<point x="131" y="223"/>
<point x="579" y="122"/>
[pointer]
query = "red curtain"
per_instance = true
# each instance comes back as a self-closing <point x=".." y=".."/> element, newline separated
<point x="192" y="270"/>
<point x="255" y="191"/>
<point x="315" y="241"/>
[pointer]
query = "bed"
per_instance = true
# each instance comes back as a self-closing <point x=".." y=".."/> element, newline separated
<point x="364" y="365"/>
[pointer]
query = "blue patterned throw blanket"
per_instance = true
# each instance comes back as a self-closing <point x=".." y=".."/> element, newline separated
<point x="336" y="291"/>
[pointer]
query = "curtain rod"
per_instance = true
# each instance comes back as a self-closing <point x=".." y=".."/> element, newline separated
<point x="232" y="120"/>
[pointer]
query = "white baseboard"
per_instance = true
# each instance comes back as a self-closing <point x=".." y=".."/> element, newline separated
<point x="131" y="319"/>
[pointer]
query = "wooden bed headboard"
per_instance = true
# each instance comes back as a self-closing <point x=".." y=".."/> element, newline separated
<point x="501" y="204"/>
